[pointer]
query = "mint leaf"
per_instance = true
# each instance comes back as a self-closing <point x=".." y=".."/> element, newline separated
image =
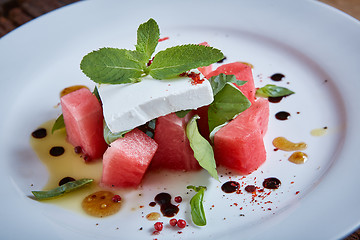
<point x="175" y="60"/>
<point x="271" y="90"/>
<point x="228" y="103"/>
<point x="58" y="191"/>
<point x="59" y="124"/>
<point x="218" y="82"/>
<point x="196" y="204"/>
<point x="111" y="65"/>
<point x="148" y="35"/>
<point x="110" y="136"/>
<point x="203" y="152"/>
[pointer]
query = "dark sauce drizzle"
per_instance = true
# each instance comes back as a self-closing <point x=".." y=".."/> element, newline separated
<point x="230" y="186"/>
<point x="282" y="115"/>
<point x="39" y="133"/>
<point x="66" y="180"/>
<point x="275" y="99"/>
<point x="250" y="188"/>
<point x="277" y="77"/>
<point x="56" y="151"/>
<point x="166" y="207"/>
<point x="271" y="183"/>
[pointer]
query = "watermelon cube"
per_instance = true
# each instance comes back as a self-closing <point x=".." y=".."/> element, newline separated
<point x="126" y="160"/>
<point x="242" y="72"/>
<point x="239" y="145"/>
<point x="84" y="122"/>
<point x="174" y="150"/>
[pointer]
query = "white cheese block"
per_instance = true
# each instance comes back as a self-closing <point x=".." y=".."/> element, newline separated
<point x="127" y="106"/>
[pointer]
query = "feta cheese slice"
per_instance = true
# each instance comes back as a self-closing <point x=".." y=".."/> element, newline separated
<point x="127" y="106"/>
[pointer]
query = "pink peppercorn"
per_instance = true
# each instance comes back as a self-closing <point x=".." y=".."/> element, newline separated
<point x="116" y="198"/>
<point x="173" y="222"/>
<point x="178" y="199"/>
<point x="181" y="223"/>
<point x="158" y="226"/>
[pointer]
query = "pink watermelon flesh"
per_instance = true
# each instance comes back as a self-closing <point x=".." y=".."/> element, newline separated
<point x="126" y="160"/>
<point x="242" y="72"/>
<point x="84" y="122"/>
<point x="239" y="145"/>
<point x="174" y="150"/>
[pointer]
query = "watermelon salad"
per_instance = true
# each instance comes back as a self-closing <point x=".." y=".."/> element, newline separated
<point x="126" y="160"/>
<point x="187" y="134"/>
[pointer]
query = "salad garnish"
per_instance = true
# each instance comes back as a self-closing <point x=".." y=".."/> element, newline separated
<point x="203" y="151"/>
<point x="271" y="90"/>
<point x="61" y="190"/>
<point x="117" y="66"/>
<point x="196" y="203"/>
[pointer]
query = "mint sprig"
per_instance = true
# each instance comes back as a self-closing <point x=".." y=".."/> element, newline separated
<point x="112" y="65"/>
<point x="118" y="66"/>
<point x="148" y="35"/>
<point x="175" y="60"/>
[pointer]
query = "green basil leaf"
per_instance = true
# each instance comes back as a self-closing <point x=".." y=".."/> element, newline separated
<point x="271" y="90"/>
<point x="148" y="35"/>
<point x="59" y="124"/>
<point x="227" y="104"/>
<point x="218" y="82"/>
<point x="182" y="113"/>
<point x="203" y="151"/>
<point x="110" y="136"/>
<point x="173" y="61"/>
<point x="96" y="93"/>
<point x="196" y="203"/>
<point x="58" y="191"/>
<point x="112" y="66"/>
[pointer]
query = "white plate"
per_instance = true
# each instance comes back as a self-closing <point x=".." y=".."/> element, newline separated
<point x="305" y="40"/>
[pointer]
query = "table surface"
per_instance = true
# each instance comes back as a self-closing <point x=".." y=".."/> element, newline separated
<point x="14" y="13"/>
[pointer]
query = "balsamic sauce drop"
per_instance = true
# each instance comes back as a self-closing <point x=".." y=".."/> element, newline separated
<point x="166" y="207"/>
<point x="39" y="133"/>
<point x="230" y="187"/>
<point x="271" y="183"/>
<point x="275" y="99"/>
<point x="250" y="188"/>
<point x="56" y="151"/>
<point x="282" y="115"/>
<point x="277" y="77"/>
<point x="66" y="180"/>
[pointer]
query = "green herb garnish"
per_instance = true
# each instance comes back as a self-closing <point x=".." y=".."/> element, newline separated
<point x="116" y="66"/>
<point x="56" y="192"/>
<point x="59" y="124"/>
<point x="218" y="82"/>
<point x="203" y="151"/>
<point x="271" y="90"/>
<point x="110" y="136"/>
<point x="196" y="204"/>
<point x="227" y="104"/>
